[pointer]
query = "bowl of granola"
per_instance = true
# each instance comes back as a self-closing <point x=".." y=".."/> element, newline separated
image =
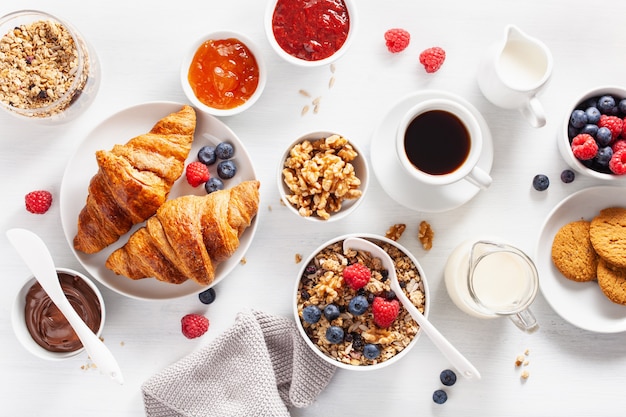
<point x="52" y="74"/>
<point x="347" y="313"/>
<point x="322" y="176"/>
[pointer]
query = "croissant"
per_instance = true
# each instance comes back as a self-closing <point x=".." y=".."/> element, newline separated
<point x="134" y="180"/>
<point x="188" y="236"/>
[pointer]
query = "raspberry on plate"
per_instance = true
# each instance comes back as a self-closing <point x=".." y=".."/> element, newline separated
<point x="385" y="311"/>
<point x="356" y="276"/>
<point x="194" y="325"/>
<point x="432" y="59"/>
<point x="584" y="147"/>
<point x="38" y="202"/>
<point x="397" y="40"/>
<point x="197" y="173"/>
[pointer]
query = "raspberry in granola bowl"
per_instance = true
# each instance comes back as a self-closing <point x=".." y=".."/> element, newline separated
<point x="365" y="328"/>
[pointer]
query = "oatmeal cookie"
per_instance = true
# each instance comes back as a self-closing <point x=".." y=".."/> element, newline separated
<point x="612" y="282"/>
<point x="572" y="252"/>
<point x="608" y="235"/>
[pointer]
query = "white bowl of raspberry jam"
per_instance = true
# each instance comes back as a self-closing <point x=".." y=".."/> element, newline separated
<point x="42" y="329"/>
<point x="310" y="34"/>
<point x="320" y="283"/>
<point x="595" y="167"/>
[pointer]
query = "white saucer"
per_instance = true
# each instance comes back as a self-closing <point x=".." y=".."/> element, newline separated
<point x="403" y="188"/>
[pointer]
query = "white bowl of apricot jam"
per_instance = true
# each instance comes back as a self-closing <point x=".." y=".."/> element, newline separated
<point x="223" y="73"/>
<point x="310" y="34"/>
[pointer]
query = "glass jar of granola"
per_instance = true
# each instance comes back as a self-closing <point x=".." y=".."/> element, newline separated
<point x="48" y="72"/>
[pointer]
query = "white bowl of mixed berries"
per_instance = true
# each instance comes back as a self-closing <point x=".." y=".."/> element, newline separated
<point x="593" y="136"/>
<point x="346" y="311"/>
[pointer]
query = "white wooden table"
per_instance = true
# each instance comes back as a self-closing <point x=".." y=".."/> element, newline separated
<point x="140" y="44"/>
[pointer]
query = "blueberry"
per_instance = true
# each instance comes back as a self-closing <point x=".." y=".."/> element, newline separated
<point x="206" y="155"/>
<point x="447" y="377"/>
<point x="440" y="396"/>
<point x="213" y="184"/>
<point x="578" y="119"/>
<point x="593" y="115"/>
<point x="226" y="169"/>
<point x="590" y="129"/>
<point x="224" y="150"/>
<point x="567" y="176"/>
<point x="331" y="312"/>
<point x="541" y="182"/>
<point x="311" y="314"/>
<point x="604" y="136"/>
<point x="334" y="334"/>
<point x="606" y="104"/>
<point x="603" y="156"/>
<point x="572" y="131"/>
<point x="622" y="106"/>
<point x="358" y="305"/>
<point x="371" y="351"/>
<point x="207" y="296"/>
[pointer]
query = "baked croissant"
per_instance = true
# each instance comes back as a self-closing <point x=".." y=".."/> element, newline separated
<point x="134" y="180"/>
<point x="188" y="236"/>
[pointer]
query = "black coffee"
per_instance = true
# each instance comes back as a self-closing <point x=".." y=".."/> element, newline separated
<point x="437" y="142"/>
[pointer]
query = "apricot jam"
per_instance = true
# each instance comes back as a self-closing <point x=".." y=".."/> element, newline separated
<point x="310" y="29"/>
<point x="223" y="73"/>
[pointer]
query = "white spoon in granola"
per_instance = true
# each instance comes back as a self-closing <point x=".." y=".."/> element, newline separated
<point x="459" y="361"/>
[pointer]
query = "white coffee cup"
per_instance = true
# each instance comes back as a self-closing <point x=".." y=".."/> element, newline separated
<point x="439" y="142"/>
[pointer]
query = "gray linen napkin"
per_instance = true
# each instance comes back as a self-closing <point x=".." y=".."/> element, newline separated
<point x="258" y="367"/>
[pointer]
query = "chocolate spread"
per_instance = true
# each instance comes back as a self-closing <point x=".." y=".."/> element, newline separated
<point x="48" y="326"/>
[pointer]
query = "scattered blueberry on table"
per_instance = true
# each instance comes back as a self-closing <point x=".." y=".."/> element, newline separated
<point x="440" y="396"/>
<point x="207" y="296"/>
<point x="541" y="182"/>
<point x="447" y="377"/>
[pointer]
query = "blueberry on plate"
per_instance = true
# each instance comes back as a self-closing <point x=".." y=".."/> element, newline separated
<point x="224" y="150"/>
<point x="226" y="169"/>
<point x="207" y="296"/>
<point x="371" y="351"/>
<point x="206" y="155"/>
<point x="440" y="396"/>
<point x="334" y="334"/>
<point x="567" y="176"/>
<point x="447" y="377"/>
<point x="541" y="182"/>
<point x="213" y="184"/>
<point x="358" y="305"/>
<point x="311" y="314"/>
<point x="331" y="312"/>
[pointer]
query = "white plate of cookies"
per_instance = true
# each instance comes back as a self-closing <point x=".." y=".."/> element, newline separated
<point x="580" y="236"/>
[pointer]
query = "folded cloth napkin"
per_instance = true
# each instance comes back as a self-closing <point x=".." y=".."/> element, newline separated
<point x="258" y="367"/>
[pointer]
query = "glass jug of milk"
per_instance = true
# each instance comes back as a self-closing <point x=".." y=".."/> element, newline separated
<point x="489" y="279"/>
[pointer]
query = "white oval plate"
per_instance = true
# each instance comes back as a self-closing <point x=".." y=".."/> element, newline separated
<point x="118" y="129"/>
<point x="580" y="303"/>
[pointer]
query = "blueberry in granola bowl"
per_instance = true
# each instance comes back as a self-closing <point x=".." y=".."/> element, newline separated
<point x="365" y="335"/>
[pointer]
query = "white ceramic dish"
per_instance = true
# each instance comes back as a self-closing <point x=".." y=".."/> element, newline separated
<point x="19" y="322"/>
<point x="119" y="128"/>
<point x="564" y="142"/>
<point x="321" y="354"/>
<point x="219" y="35"/>
<point x="403" y="188"/>
<point x="348" y="206"/>
<point x="580" y="303"/>
<point x="352" y="15"/>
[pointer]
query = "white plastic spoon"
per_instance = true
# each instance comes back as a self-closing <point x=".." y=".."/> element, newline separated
<point x="459" y="361"/>
<point x="38" y="259"/>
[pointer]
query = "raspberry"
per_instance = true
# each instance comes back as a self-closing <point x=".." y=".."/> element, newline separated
<point x="385" y="311"/>
<point x="397" y="40"/>
<point x="584" y="147"/>
<point x="432" y="58"/>
<point x="356" y="276"/>
<point x="197" y="173"/>
<point x="614" y="123"/>
<point x="38" y="202"/>
<point x="194" y="325"/>
<point x="617" y="164"/>
<point x="618" y="145"/>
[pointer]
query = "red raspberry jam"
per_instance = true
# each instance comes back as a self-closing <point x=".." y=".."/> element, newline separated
<point x="311" y="30"/>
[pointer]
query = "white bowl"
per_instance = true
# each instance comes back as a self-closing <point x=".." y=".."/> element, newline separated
<point x="220" y="35"/>
<point x="353" y="21"/>
<point x="380" y="364"/>
<point x="361" y="170"/>
<point x="19" y="321"/>
<point x="564" y="140"/>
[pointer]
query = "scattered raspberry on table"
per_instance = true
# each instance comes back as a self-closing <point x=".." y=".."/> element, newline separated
<point x="38" y="202"/>
<point x="397" y="40"/>
<point x="194" y="325"/>
<point x="432" y="59"/>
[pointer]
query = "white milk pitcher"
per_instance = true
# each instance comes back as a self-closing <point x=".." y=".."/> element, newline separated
<point x="514" y="71"/>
